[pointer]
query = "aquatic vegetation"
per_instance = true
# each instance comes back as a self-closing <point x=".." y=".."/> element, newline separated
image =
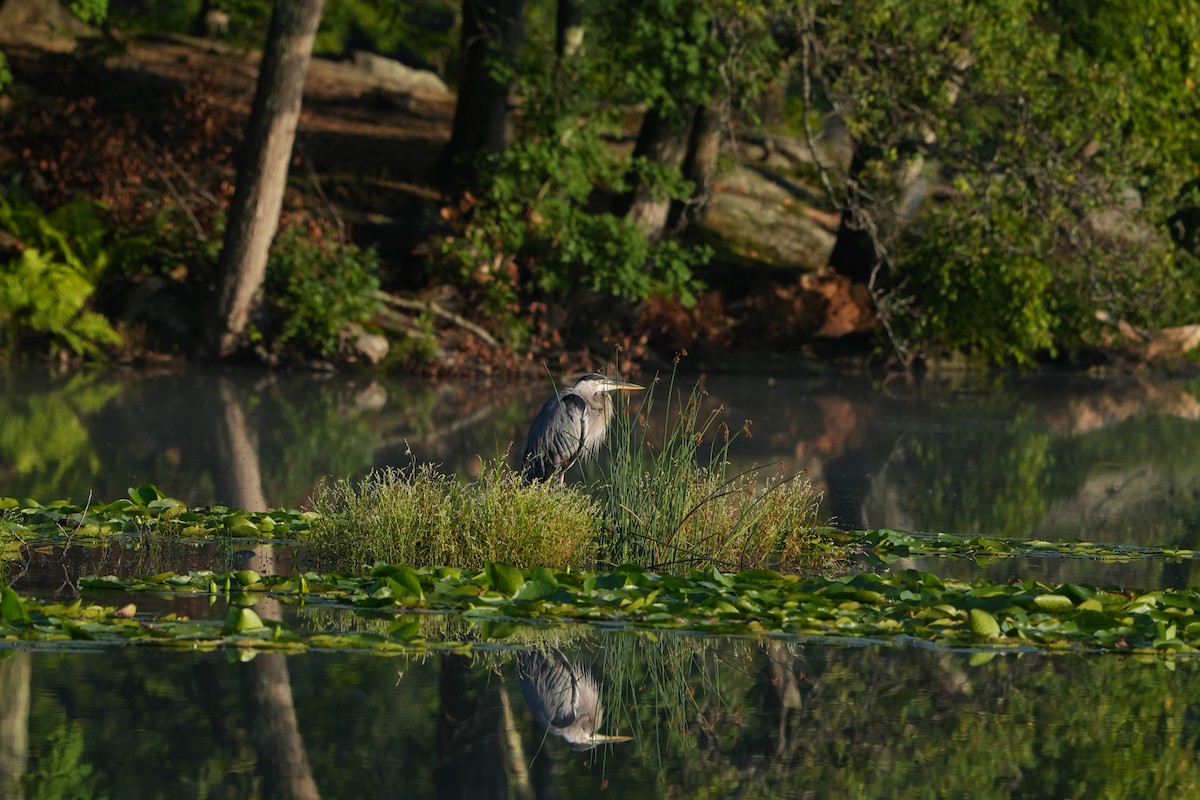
<point x="672" y="504"/>
<point x="904" y="608"/>
<point x="888" y="545"/>
<point x="146" y="512"/>
<point x="419" y="515"/>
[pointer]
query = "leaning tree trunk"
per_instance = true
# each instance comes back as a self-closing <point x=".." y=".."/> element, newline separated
<point x="664" y="141"/>
<point x="491" y="30"/>
<point x="262" y="173"/>
<point x="700" y="161"/>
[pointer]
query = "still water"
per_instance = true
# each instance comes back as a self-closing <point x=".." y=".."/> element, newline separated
<point x="1052" y="456"/>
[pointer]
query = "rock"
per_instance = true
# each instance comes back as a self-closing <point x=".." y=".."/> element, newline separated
<point x="397" y="77"/>
<point x="765" y="219"/>
<point x="1160" y="345"/>
<point x="371" y="347"/>
<point x="47" y="25"/>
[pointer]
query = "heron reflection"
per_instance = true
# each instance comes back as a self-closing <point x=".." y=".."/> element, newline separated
<point x="564" y="698"/>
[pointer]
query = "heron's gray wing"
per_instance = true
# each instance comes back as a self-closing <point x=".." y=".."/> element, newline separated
<point x="549" y="684"/>
<point x="557" y="435"/>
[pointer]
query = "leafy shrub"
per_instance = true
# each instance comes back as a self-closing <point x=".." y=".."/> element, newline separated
<point x="531" y="229"/>
<point x="993" y="281"/>
<point x="45" y="289"/>
<point x="315" y="287"/>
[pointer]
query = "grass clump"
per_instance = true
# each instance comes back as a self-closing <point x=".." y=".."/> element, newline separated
<point x="422" y="517"/>
<point x="675" y="505"/>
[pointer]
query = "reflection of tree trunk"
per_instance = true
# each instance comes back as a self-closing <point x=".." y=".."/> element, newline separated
<point x="14" y="724"/>
<point x="780" y="674"/>
<point x="474" y="747"/>
<point x="282" y="759"/>
<point x="517" y="769"/>
<point x="543" y="771"/>
<point x="240" y="467"/>
<point x="239" y="475"/>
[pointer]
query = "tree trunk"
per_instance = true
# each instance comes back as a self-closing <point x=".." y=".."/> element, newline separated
<point x="263" y="169"/>
<point x="568" y="29"/>
<point x="663" y="141"/>
<point x="700" y="162"/>
<point x="855" y="251"/>
<point x="491" y="30"/>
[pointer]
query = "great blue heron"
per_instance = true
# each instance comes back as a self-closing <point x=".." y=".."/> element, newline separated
<point x="570" y="427"/>
<point x="563" y="698"/>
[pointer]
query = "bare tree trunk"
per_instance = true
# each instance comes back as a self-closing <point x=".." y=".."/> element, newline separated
<point x="568" y="29"/>
<point x="491" y="29"/>
<point x="663" y="141"/>
<point x="700" y="162"/>
<point x="262" y="174"/>
<point x="282" y="758"/>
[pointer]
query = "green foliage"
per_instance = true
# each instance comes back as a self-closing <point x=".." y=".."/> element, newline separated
<point x="673" y="505"/>
<point x="147" y="511"/>
<point x="6" y="76"/>
<point x="1065" y="133"/>
<point x="421" y="516"/>
<point x="44" y="291"/>
<point x="983" y="281"/>
<point x="90" y="11"/>
<point x="315" y="288"/>
<point x="672" y="55"/>
<point x="421" y="29"/>
<point x="532" y="231"/>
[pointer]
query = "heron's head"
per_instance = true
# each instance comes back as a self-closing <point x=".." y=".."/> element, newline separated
<point x="594" y="383"/>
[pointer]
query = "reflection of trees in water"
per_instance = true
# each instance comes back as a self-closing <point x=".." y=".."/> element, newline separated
<point x="44" y="441"/>
<point x="282" y="758"/>
<point x="783" y="719"/>
<point x="1108" y="464"/>
<point x="480" y="752"/>
<point x="15" y="671"/>
<point x="712" y="717"/>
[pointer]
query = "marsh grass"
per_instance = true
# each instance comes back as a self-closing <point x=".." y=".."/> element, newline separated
<point x="420" y="516"/>
<point x="669" y="505"/>
<point x="673" y="505"/>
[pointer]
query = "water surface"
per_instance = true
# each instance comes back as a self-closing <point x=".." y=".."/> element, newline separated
<point x="1052" y="456"/>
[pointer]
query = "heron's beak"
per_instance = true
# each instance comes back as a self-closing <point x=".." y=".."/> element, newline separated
<point x="611" y="385"/>
<point x="604" y="738"/>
